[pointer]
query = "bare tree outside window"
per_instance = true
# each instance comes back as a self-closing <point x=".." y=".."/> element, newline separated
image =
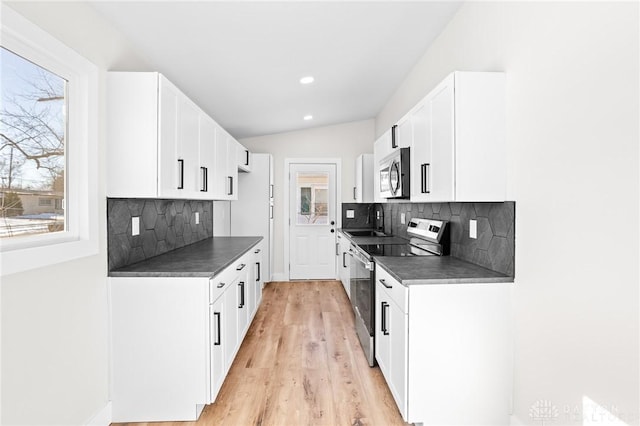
<point x="33" y="127"/>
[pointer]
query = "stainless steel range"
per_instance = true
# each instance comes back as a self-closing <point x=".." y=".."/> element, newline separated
<point x="429" y="237"/>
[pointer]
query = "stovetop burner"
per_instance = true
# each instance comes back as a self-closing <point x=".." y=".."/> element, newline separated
<point x="394" y="250"/>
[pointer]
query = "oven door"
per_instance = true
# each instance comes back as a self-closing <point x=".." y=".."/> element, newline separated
<point x="362" y="291"/>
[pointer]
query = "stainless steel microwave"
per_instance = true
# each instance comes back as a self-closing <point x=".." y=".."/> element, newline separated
<point x="394" y="175"/>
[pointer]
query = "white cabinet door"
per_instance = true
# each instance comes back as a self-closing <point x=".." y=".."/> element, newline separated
<point x="232" y="167"/>
<point x="250" y="287"/>
<point x="259" y="272"/>
<point x="207" y="139"/>
<point x="217" y="317"/>
<point x="382" y="337"/>
<point x="187" y="148"/>
<point x="231" y="333"/>
<point x="170" y="167"/>
<point x="433" y="146"/>
<point x="344" y="263"/>
<point x="397" y="326"/>
<point x="242" y="299"/>
<point x="440" y="175"/>
<point x="243" y="158"/>
<point x="226" y="170"/>
<point x="391" y="339"/>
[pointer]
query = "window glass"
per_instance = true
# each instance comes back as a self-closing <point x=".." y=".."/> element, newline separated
<point x="33" y="125"/>
<point x="312" y="198"/>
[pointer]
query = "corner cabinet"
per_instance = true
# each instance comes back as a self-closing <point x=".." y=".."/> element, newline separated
<point x="457" y="134"/>
<point x="161" y="144"/>
<point x="445" y="350"/>
<point x="174" y="339"/>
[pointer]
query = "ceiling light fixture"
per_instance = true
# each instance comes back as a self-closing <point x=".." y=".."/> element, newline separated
<point x="307" y="80"/>
<point x="308" y="117"/>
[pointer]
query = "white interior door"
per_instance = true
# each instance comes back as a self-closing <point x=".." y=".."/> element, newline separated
<point x="312" y="221"/>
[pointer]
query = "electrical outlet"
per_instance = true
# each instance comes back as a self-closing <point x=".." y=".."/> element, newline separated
<point x="197" y="218"/>
<point x="351" y="214"/>
<point x="135" y="225"/>
<point x="473" y="228"/>
<point x="402" y="218"/>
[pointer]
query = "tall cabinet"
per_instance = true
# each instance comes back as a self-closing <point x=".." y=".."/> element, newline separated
<point x="252" y="213"/>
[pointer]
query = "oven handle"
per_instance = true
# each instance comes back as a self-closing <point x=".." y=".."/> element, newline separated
<point x="360" y="258"/>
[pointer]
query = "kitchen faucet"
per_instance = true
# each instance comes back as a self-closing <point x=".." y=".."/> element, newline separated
<point x="375" y="209"/>
<point x="381" y="227"/>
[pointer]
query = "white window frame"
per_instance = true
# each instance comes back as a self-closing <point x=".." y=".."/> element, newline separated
<point x="80" y="238"/>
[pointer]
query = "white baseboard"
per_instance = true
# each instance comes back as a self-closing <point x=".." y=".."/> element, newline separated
<point x="514" y="421"/>
<point x="103" y="417"/>
<point x="280" y="277"/>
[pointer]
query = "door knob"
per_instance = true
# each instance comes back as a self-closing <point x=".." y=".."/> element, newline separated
<point x="333" y="222"/>
<point x="333" y="230"/>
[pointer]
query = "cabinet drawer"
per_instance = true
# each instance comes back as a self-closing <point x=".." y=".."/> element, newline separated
<point x="397" y="292"/>
<point x="219" y="283"/>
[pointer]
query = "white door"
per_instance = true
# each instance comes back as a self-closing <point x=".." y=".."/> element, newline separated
<point x="312" y="221"/>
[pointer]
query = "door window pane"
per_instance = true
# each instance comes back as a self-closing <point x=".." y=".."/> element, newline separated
<point x="33" y="124"/>
<point x="312" y="198"/>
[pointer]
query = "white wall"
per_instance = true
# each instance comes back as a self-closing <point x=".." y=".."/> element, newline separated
<point x="345" y="141"/>
<point x="572" y="129"/>
<point x="55" y="364"/>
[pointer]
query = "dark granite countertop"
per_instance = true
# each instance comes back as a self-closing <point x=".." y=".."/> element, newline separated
<point x="428" y="269"/>
<point x="437" y="270"/>
<point x="205" y="258"/>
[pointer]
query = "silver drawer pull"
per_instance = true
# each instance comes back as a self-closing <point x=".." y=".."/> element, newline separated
<point x="241" y="267"/>
<point x="220" y="285"/>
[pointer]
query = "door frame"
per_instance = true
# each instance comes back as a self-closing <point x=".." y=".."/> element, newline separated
<point x="286" y="208"/>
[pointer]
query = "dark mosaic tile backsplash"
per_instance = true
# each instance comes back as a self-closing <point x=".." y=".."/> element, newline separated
<point x="164" y="225"/>
<point x="493" y="249"/>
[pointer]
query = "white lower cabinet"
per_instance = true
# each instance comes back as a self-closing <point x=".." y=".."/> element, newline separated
<point x="445" y="350"/>
<point x="344" y="262"/>
<point x="174" y="339"/>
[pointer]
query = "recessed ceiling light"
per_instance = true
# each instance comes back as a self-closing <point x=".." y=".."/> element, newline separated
<point x="308" y="117"/>
<point x="307" y="80"/>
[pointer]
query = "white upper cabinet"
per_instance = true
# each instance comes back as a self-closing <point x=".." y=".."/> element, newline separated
<point x="243" y="158"/>
<point x="160" y="144"/>
<point x="225" y="186"/>
<point x="363" y="179"/>
<point x="458" y="149"/>
<point x="206" y="155"/>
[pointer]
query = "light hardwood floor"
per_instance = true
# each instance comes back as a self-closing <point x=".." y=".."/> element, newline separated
<point x="301" y="364"/>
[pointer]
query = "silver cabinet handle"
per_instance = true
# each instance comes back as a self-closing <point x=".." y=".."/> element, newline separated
<point x="220" y="285"/>
<point x="241" y="267"/>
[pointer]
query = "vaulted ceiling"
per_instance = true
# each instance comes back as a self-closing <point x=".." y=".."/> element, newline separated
<point x="242" y="61"/>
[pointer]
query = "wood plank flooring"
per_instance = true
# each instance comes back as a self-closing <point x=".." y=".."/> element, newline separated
<point x="301" y="364"/>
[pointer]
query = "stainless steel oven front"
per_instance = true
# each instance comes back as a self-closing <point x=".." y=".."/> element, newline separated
<point x="362" y="292"/>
